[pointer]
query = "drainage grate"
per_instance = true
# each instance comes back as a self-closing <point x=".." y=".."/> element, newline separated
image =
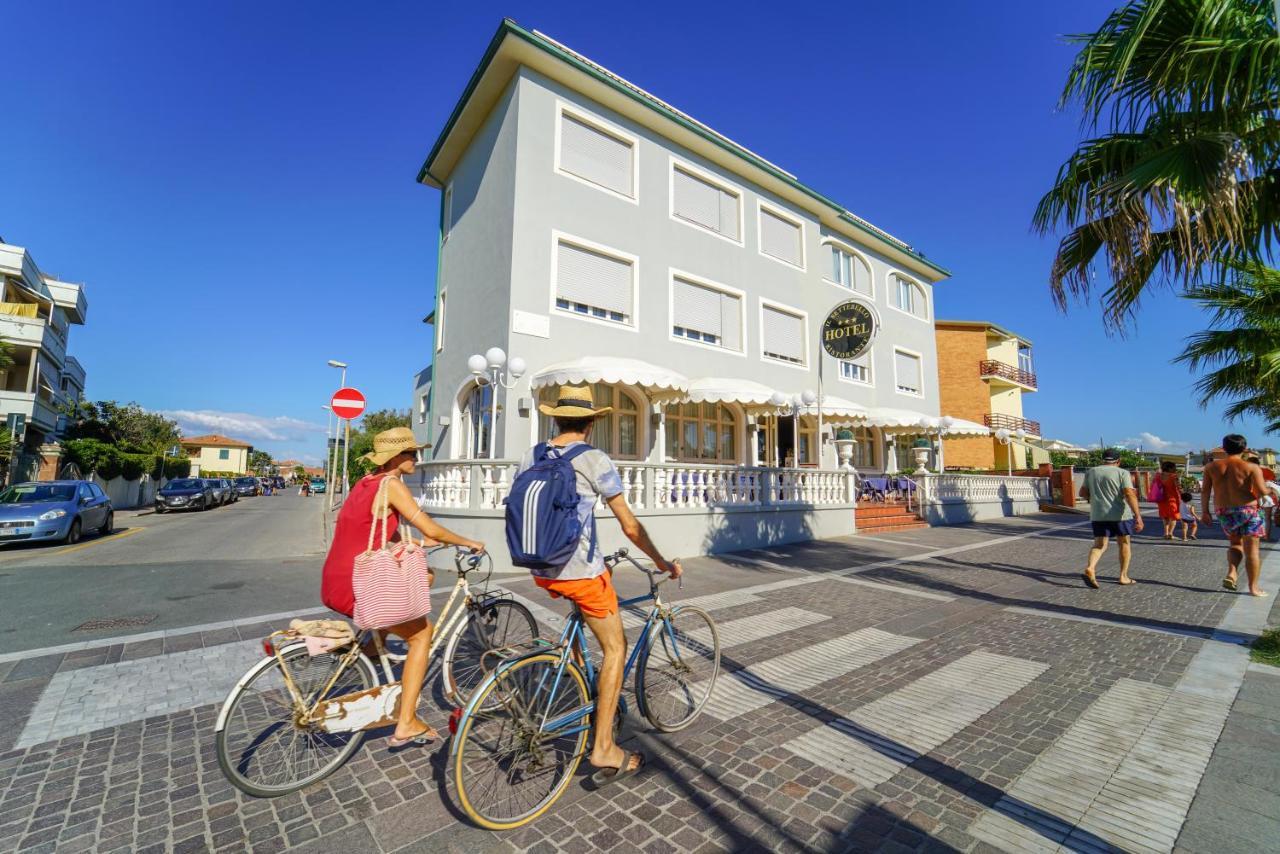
<point x="115" y="623"/>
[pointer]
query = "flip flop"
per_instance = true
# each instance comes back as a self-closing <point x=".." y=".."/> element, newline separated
<point x="605" y="776"/>
<point x="1230" y="584"/>
<point x="425" y="737"/>
<point x="1090" y="580"/>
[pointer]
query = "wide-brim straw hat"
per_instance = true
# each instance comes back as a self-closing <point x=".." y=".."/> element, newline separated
<point x="390" y="443"/>
<point x="573" y="401"/>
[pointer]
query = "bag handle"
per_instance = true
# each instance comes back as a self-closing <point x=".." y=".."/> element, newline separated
<point x="380" y="498"/>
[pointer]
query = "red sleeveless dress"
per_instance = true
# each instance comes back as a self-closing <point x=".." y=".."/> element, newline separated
<point x="350" y="538"/>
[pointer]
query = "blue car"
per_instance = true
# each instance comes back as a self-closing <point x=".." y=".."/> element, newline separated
<point x="54" y="510"/>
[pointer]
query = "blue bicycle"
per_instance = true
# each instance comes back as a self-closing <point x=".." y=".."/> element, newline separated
<point x="526" y="727"/>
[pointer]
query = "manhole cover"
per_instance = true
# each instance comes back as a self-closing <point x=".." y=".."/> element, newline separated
<point x="115" y="623"/>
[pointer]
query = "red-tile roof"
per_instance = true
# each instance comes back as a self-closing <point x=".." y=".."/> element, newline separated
<point x="216" y="439"/>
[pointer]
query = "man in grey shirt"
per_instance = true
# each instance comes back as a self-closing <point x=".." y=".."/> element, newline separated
<point x="584" y="580"/>
<point x="1113" y="511"/>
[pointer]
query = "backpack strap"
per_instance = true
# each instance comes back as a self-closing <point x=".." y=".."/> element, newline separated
<point x="575" y="451"/>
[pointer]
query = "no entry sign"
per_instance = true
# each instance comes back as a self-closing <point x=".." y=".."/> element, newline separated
<point x="347" y="403"/>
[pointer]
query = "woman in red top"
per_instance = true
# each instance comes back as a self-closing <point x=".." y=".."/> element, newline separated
<point x="1171" y="504"/>
<point x="395" y="454"/>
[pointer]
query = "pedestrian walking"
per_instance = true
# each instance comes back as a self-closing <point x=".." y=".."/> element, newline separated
<point x="1232" y="486"/>
<point x="1187" y="517"/>
<point x="1113" y="512"/>
<point x="1168" y="496"/>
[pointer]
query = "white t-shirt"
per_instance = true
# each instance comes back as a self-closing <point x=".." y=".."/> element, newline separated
<point x="597" y="478"/>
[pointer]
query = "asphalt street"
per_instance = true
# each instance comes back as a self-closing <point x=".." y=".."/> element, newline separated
<point x="260" y="555"/>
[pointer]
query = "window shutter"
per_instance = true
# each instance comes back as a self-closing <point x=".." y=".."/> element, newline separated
<point x="596" y="156"/>
<point x="861" y="281"/>
<point x="908" y="370"/>
<point x="731" y="321"/>
<point x="696" y="200"/>
<point x="696" y="307"/>
<point x="729" y="214"/>
<point x="593" y="279"/>
<point x="783" y="334"/>
<point x="779" y="238"/>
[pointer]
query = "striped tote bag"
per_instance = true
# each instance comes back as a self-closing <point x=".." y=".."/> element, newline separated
<point x="391" y="583"/>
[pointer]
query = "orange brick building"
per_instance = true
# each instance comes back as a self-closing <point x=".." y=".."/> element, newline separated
<point x="983" y="372"/>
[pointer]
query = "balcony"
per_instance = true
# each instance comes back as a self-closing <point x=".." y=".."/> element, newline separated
<point x="1012" y="423"/>
<point x="39" y="411"/>
<point x="34" y="332"/>
<point x="75" y="371"/>
<point x="991" y="369"/>
<point x="70" y="297"/>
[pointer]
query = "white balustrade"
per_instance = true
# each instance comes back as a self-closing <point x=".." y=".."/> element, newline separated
<point x="981" y="488"/>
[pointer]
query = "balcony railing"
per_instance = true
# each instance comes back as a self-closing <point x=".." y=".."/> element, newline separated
<point x="1012" y="423"/>
<point x="993" y="368"/>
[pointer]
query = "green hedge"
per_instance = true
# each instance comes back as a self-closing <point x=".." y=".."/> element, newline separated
<point x="94" y="455"/>
<point x="177" y="467"/>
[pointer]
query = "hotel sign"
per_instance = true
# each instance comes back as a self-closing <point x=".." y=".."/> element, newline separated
<point x="848" y="330"/>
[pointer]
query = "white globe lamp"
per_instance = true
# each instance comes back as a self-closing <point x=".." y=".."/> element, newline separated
<point x="495" y="357"/>
<point x="477" y="364"/>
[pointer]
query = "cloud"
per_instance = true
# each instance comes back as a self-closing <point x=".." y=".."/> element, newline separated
<point x="243" y="425"/>
<point x="1152" y="442"/>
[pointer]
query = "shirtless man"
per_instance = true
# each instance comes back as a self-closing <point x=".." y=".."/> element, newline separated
<point x="1236" y="485"/>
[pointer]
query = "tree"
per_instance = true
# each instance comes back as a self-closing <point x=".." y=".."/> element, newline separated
<point x="1185" y="178"/>
<point x="299" y="472"/>
<point x="260" y="461"/>
<point x="127" y="426"/>
<point x="371" y="425"/>
<point x="1241" y="349"/>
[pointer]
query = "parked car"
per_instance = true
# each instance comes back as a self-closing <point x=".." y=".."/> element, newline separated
<point x="219" y="491"/>
<point x="247" y="486"/>
<point x="185" y="493"/>
<point x="317" y="485"/>
<point x="54" y="510"/>
<point x="230" y="487"/>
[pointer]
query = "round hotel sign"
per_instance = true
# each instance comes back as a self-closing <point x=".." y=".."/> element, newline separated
<point x="848" y="330"/>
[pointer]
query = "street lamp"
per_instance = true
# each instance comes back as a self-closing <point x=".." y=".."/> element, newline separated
<point x="489" y="368"/>
<point x="1004" y="437"/>
<point x="945" y="423"/>
<point x="328" y="445"/>
<point x="333" y="471"/>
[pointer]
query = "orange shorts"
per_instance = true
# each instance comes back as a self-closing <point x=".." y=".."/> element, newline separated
<point x="595" y="597"/>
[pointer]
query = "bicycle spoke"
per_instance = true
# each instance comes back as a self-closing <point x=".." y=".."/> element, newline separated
<point x="680" y="668"/>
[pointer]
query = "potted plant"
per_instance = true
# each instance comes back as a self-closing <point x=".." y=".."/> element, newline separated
<point x="921" y="448"/>
<point x="844" y="447"/>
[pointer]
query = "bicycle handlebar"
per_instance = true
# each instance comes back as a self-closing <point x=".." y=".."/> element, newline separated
<point x="624" y="554"/>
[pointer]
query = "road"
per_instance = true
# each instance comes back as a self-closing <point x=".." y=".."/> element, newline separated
<point x="258" y="556"/>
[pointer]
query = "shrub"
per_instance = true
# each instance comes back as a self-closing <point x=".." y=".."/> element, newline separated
<point x="177" y="468"/>
<point x="133" y="466"/>
<point x="94" y="455"/>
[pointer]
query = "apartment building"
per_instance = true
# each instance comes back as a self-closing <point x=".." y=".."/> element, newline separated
<point x="216" y="452"/>
<point x="983" y="371"/>
<point x="37" y="311"/>
<point x="603" y="236"/>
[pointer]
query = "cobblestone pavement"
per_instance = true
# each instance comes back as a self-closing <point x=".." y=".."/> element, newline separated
<point x="937" y="690"/>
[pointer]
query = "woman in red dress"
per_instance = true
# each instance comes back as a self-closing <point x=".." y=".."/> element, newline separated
<point x="1171" y="504"/>
<point x="395" y="454"/>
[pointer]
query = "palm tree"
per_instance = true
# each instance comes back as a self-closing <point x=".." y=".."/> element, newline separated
<point x="1184" y="176"/>
<point x="1242" y="347"/>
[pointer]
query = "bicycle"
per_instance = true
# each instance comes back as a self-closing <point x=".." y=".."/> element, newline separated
<point x="522" y="736"/>
<point x="294" y="718"/>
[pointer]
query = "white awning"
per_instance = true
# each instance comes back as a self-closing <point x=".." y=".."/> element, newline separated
<point x="837" y="409"/>
<point x="960" y="427"/>
<point x="610" y="369"/>
<point x="891" y="418"/>
<point x="728" y="390"/>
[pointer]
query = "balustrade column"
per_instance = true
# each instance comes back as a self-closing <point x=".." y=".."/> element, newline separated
<point x="473" y="481"/>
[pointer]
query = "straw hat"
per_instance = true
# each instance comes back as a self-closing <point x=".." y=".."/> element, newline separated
<point x="389" y="443"/>
<point x="573" y="401"/>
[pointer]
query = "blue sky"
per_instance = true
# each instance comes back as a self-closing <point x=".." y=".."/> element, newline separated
<point x="235" y="183"/>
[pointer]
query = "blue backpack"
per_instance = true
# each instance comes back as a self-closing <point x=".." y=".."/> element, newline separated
<point x="543" y="527"/>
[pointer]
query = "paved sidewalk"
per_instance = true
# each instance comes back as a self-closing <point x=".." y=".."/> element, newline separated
<point x="937" y="690"/>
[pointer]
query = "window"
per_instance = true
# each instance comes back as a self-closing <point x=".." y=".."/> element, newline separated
<point x="908" y="297"/>
<point x="696" y="200"/>
<point x="782" y="335"/>
<point x="905" y="454"/>
<point x="446" y="216"/>
<point x="781" y="238"/>
<point x="617" y="434"/>
<point x="596" y="155"/>
<point x="849" y="270"/>
<point x="422" y="409"/>
<point x="1024" y="359"/>
<point x="97" y="491"/>
<point x="705" y="314"/>
<point x="864" y="448"/>
<point x="224" y="454"/>
<point x="440" y="314"/>
<point x="84" y="492"/>
<point x="857" y="370"/>
<point x="701" y="432"/>
<point x="476" y="411"/>
<point x="593" y="284"/>
<point x="907" y="373"/>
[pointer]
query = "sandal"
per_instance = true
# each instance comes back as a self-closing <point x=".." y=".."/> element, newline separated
<point x="1090" y="580"/>
<point x="427" y="736"/>
<point x="605" y="776"/>
<point x="1230" y="584"/>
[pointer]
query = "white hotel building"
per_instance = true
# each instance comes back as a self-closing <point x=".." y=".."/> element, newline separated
<point x="601" y="235"/>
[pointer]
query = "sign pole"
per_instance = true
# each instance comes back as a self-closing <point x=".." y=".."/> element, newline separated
<point x="346" y="454"/>
<point x="820" y="452"/>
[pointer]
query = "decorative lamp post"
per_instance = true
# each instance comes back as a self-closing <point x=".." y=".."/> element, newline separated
<point x="807" y="399"/>
<point x="1004" y="437"/>
<point x="489" y="368"/>
<point x="945" y="423"/>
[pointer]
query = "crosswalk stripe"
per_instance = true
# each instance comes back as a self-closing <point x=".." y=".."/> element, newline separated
<point x="876" y="741"/>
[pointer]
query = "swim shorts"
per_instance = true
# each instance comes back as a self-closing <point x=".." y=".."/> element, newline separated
<point x="595" y="597"/>
<point x="1243" y="521"/>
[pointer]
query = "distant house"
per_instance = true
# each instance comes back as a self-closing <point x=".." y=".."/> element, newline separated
<point x="216" y="452"/>
<point x="1062" y="446"/>
<point x="286" y="468"/>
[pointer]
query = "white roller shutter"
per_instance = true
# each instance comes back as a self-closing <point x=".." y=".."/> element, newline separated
<point x="704" y="203"/>
<point x="731" y="321"/>
<point x="598" y="157"/>
<point x="783" y="334"/>
<point x="590" y="278"/>
<point x="707" y="310"/>
<point x="779" y="238"/>
<point x="908" y="371"/>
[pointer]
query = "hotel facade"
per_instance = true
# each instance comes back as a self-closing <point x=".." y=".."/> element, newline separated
<point x="596" y="234"/>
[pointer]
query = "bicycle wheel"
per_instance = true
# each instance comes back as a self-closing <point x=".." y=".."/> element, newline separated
<point x="260" y="748"/>
<point x="469" y="656"/>
<point x="678" y="668"/>
<point x="506" y="770"/>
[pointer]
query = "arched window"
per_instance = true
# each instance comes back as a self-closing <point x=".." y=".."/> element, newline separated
<point x="908" y="296"/>
<point x="701" y="432"/>
<point x="864" y="448"/>
<point x="849" y="270"/>
<point x="475" y="409"/>
<point x="617" y="434"/>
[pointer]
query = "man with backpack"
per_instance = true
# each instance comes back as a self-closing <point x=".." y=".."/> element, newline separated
<point x="551" y="530"/>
